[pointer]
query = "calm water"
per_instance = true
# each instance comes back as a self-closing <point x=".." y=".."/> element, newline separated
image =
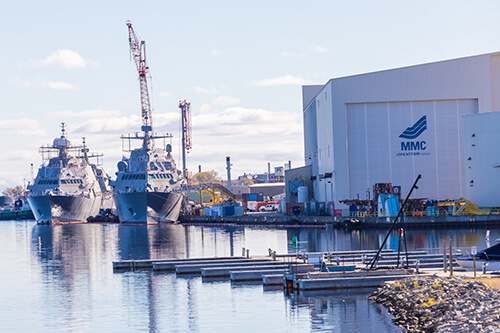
<point x="60" y="279"/>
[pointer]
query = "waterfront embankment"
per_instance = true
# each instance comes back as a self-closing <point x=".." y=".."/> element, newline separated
<point x="280" y="220"/>
<point x="438" y="304"/>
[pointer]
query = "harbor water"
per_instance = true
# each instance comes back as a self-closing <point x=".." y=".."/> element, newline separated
<point x="60" y="279"/>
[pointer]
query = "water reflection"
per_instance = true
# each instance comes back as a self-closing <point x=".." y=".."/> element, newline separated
<point x="342" y="311"/>
<point x="60" y="278"/>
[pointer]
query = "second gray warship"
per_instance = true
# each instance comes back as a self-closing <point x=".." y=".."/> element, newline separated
<point x="147" y="185"/>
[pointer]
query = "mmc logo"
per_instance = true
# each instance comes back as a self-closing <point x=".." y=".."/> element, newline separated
<point x="412" y="133"/>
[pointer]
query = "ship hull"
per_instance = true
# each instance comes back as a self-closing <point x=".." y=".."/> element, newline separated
<point x="54" y="209"/>
<point x="148" y="207"/>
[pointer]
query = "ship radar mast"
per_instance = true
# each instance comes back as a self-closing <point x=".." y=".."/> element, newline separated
<point x="62" y="143"/>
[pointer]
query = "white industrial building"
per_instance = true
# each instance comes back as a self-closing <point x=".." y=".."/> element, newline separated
<point x="390" y="126"/>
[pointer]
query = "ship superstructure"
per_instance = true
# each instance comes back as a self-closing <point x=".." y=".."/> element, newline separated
<point x="68" y="188"/>
<point x="147" y="183"/>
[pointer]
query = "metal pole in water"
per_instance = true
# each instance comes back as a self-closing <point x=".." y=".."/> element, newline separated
<point x="444" y="257"/>
<point x="451" y="260"/>
<point x="473" y="251"/>
<point x="228" y="167"/>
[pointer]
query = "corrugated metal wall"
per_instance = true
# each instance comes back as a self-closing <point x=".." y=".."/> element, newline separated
<point x="379" y="152"/>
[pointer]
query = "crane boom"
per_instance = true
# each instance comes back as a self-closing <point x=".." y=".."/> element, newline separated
<point x="138" y="52"/>
<point x="186" y="132"/>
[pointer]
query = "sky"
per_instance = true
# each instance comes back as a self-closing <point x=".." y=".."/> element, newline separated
<point x="241" y="65"/>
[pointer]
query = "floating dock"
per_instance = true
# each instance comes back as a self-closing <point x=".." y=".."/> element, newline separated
<point x="311" y="271"/>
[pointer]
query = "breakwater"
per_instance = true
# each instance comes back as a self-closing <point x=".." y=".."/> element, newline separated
<point x="435" y="304"/>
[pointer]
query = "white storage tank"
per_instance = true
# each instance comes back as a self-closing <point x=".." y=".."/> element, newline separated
<point x="302" y="194"/>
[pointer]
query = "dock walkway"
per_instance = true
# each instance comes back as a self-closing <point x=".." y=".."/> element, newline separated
<point x="300" y="271"/>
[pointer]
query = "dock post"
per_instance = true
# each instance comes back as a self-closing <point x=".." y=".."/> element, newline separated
<point x="243" y="252"/>
<point x="248" y="253"/>
<point x="473" y="251"/>
<point x="445" y="268"/>
<point x="451" y="260"/>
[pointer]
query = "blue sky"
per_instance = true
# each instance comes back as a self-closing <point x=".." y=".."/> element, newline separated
<point x="240" y="64"/>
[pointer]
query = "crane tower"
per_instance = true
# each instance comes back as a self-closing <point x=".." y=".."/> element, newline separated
<point x="138" y="52"/>
<point x="186" y="132"/>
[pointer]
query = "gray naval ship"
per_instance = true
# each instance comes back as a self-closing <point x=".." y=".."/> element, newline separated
<point x="68" y="188"/>
<point x="147" y="185"/>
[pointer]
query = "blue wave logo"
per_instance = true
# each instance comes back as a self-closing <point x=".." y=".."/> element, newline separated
<point x="414" y="131"/>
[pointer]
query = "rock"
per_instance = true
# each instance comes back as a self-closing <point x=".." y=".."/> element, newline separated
<point x="433" y="304"/>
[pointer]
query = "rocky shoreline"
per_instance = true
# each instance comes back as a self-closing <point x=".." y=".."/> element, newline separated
<point x="435" y="304"/>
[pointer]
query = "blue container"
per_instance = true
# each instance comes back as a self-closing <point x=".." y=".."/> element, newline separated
<point x="227" y="210"/>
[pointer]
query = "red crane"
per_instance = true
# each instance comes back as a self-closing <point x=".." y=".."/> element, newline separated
<point x="138" y="52"/>
<point x="186" y="116"/>
<point x="186" y="132"/>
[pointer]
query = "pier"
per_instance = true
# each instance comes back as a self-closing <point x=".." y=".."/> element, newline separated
<point x="274" y="220"/>
<point x="303" y="271"/>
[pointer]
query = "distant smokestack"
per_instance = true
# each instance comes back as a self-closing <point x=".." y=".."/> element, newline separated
<point x="268" y="172"/>
<point x="228" y="167"/>
<point x="289" y="165"/>
<point x="199" y="168"/>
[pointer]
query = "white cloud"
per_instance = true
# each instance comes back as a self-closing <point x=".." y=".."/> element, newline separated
<point x="20" y="82"/>
<point x="65" y="59"/>
<point x="244" y="123"/>
<point x="293" y="55"/>
<point x="202" y="90"/>
<point x="86" y="114"/>
<point x="204" y="108"/>
<point x="318" y="49"/>
<point x="165" y="94"/>
<point x="216" y="52"/>
<point x="112" y="125"/>
<point x="22" y="127"/>
<point x="58" y="85"/>
<point x="281" y="81"/>
<point x="252" y="137"/>
<point x="225" y="101"/>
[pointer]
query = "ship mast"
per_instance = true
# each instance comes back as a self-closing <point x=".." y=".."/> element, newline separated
<point x="138" y="52"/>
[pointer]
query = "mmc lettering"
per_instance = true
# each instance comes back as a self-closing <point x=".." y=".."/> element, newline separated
<point x="413" y="145"/>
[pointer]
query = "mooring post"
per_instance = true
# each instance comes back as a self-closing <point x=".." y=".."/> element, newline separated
<point x="248" y="253"/>
<point x="451" y="260"/>
<point x="243" y="252"/>
<point x="444" y="257"/>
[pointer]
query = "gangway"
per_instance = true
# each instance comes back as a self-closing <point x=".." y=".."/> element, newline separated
<point x="212" y="190"/>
